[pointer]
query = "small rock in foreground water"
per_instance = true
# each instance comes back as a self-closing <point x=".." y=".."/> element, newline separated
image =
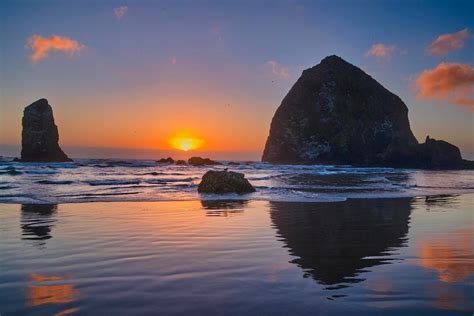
<point x="224" y="182"/>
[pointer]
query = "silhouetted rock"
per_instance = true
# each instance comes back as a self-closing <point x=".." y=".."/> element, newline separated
<point x="440" y="154"/>
<point x="224" y="182"/>
<point x="39" y="138"/>
<point x="337" y="114"/>
<point x="198" y="161"/>
<point x="181" y="163"/>
<point x="233" y="163"/>
<point x="166" y="160"/>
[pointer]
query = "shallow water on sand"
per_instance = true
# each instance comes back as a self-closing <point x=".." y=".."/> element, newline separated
<point x="100" y="180"/>
<point x="398" y="256"/>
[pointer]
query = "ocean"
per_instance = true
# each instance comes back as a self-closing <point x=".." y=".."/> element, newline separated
<point x="107" y="180"/>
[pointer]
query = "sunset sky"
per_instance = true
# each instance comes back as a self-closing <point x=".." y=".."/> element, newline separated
<point x="131" y="76"/>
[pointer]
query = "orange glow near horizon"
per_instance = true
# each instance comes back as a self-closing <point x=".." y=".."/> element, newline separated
<point x="185" y="143"/>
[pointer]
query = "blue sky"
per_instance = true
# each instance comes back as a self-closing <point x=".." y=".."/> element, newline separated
<point x="217" y="69"/>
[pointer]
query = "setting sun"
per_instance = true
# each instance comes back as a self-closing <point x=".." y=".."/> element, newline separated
<point x="186" y="143"/>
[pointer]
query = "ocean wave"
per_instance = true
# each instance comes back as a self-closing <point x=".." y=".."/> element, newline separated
<point x="83" y="181"/>
<point x="57" y="182"/>
<point x="112" y="182"/>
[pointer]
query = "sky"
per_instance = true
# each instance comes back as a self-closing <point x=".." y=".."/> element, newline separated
<point x="124" y="78"/>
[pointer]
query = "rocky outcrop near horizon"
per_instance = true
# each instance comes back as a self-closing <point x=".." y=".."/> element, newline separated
<point x="337" y="114"/>
<point x="40" y="137"/>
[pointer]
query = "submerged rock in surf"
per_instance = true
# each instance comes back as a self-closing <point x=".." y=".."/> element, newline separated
<point x="199" y="161"/>
<point x="166" y="160"/>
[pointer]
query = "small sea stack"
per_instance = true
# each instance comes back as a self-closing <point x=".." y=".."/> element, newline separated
<point x="220" y="182"/>
<point x="199" y="161"/>
<point x="166" y="160"/>
<point x="40" y="137"/>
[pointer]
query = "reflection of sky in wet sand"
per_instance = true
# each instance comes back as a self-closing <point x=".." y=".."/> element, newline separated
<point x="52" y="290"/>
<point x="357" y="256"/>
<point x="450" y="254"/>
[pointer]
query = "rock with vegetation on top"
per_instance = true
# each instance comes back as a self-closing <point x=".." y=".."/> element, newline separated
<point x="221" y="182"/>
<point x="40" y="137"/>
<point x="337" y="114"/>
<point x="198" y="161"/>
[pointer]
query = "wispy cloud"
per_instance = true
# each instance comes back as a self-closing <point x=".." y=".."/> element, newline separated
<point x="41" y="46"/>
<point x="277" y="70"/>
<point x="381" y="51"/>
<point x="448" y="42"/>
<point x="448" y="82"/>
<point x="119" y="12"/>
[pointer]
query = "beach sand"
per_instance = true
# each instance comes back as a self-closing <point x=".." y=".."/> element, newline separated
<point x="402" y="256"/>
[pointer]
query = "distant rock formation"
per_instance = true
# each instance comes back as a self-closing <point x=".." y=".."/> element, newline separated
<point x="39" y="138"/>
<point x="166" y="160"/>
<point x="198" y="161"/>
<point x="224" y="182"/>
<point x="181" y="162"/>
<point x="337" y="114"/>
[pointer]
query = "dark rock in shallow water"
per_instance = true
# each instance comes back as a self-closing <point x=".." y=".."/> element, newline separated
<point x="224" y="182"/>
<point x="181" y="163"/>
<point x="166" y="160"/>
<point x="40" y="137"/>
<point x="198" y="161"/>
<point x="337" y="114"/>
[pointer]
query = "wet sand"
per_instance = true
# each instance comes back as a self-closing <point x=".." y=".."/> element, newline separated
<point x="397" y="256"/>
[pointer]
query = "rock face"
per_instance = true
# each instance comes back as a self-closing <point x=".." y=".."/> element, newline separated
<point x="198" y="161"/>
<point x="181" y="163"/>
<point x="220" y="182"/>
<point x="337" y="114"/>
<point x="39" y="138"/>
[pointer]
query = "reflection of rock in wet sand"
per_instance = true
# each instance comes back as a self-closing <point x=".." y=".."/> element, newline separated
<point x="224" y="208"/>
<point x="333" y="241"/>
<point x="37" y="220"/>
<point x="52" y="290"/>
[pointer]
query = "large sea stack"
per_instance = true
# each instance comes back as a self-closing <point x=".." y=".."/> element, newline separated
<point x="337" y="114"/>
<point x="39" y="138"/>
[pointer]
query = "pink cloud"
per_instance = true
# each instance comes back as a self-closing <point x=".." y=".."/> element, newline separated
<point x="448" y="42"/>
<point x="119" y="12"/>
<point x="448" y="82"/>
<point x="381" y="51"/>
<point x="277" y="70"/>
<point x="173" y="61"/>
<point x="41" y="46"/>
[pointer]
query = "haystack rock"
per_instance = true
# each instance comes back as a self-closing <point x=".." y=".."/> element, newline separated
<point x="39" y="138"/>
<point x="337" y="114"/>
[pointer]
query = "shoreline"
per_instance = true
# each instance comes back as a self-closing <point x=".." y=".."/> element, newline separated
<point x="253" y="200"/>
